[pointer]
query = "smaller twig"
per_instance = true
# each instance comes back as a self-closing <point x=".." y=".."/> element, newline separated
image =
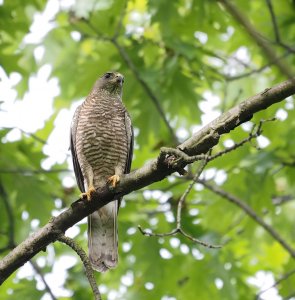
<point x="181" y="156"/>
<point x="207" y="245"/>
<point x="279" y="200"/>
<point x="39" y="272"/>
<point x="179" y="229"/>
<point x="176" y="231"/>
<point x="187" y="191"/>
<point x="10" y="216"/>
<point x="28" y="172"/>
<point x="34" y="136"/>
<point x="253" y="134"/>
<point x="145" y="87"/>
<point x="274" y="21"/>
<point x="282" y="278"/>
<point x="120" y="22"/>
<point x="290" y="296"/>
<point x="288" y="163"/>
<point x="84" y="258"/>
<point x="259" y="70"/>
<point x="150" y="233"/>
<point x="177" y="157"/>
<point x="276" y="28"/>
<point x="251" y="213"/>
<point x="252" y="32"/>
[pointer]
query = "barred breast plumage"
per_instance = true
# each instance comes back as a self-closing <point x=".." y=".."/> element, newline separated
<point x="102" y="145"/>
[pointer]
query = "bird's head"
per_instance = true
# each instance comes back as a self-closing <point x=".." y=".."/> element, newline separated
<point x="111" y="82"/>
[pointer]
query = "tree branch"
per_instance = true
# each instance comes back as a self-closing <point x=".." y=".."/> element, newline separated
<point x="274" y="21"/>
<point x="179" y="229"/>
<point x="154" y="171"/>
<point x="39" y="272"/>
<point x="282" y="278"/>
<point x="11" y="230"/>
<point x="126" y="58"/>
<point x="145" y="86"/>
<point x="84" y="258"/>
<point x="28" y="172"/>
<point x="267" y="49"/>
<point x="251" y="213"/>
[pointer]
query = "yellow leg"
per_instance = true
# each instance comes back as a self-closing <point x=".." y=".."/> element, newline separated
<point x="89" y="193"/>
<point x="113" y="180"/>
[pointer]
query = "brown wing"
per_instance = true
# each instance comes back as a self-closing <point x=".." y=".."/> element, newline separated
<point x="130" y="139"/>
<point x="77" y="168"/>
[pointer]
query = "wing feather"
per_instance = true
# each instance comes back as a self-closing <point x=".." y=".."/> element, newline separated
<point x="130" y="142"/>
<point x="77" y="168"/>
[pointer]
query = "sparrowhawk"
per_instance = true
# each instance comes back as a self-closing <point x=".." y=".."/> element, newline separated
<point x="102" y="148"/>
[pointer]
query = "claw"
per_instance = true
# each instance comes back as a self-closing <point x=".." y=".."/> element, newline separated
<point x="113" y="180"/>
<point x="89" y="193"/>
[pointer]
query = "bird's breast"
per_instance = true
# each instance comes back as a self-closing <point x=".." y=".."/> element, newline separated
<point x="103" y="142"/>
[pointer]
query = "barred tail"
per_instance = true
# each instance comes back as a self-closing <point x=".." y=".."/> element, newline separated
<point x="103" y="237"/>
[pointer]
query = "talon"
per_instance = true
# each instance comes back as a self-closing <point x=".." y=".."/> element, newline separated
<point x="113" y="180"/>
<point x="88" y="194"/>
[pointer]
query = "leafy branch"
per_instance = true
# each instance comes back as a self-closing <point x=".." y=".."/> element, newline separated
<point x="154" y="171"/>
<point x="128" y="61"/>
<point x="179" y="156"/>
<point x="11" y="243"/>
<point x="261" y="42"/>
<point x="178" y="229"/>
<point x="250" y="212"/>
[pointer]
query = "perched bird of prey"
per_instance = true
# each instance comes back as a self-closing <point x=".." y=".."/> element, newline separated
<point x="102" y="148"/>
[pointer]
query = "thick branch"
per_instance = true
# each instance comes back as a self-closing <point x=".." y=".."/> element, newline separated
<point x="155" y="170"/>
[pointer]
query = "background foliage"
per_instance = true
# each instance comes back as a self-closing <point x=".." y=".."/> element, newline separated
<point x="184" y="63"/>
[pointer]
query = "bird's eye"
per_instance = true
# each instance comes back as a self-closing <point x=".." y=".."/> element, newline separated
<point x="107" y="75"/>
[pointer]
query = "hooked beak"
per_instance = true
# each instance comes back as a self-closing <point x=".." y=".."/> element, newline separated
<point x="120" y="79"/>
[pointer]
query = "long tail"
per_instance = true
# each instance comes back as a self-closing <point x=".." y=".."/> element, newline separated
<point x="103" y="237"/>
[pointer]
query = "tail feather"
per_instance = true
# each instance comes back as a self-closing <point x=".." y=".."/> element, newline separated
<point x="103" y="237"/>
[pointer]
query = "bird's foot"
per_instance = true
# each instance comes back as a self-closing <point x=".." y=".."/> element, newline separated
<point x="113" y="180"/>
<point x="88" y="194"/>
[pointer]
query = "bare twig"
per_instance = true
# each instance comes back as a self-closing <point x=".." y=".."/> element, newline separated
<point x="146" y="88"/>
<point x="28" y="172"/>
<point x="282" y="278"/>
<point x="120" y="22"/>
<point x="279" y="200"/>
<point x="256" y="71"/>
<point x="176" y="231"/>
<point x="276" y="28"/>
<point x="187" y="191"/>
<point x="132" y="67"/>
<point x="39" y="272"/>
<point x="179" y="229"/>
<point x="252" y="135"/>
<point x="178" y="157"/>
<point x="269" y="52"/>
<point x="84" y="258"/>
<point x="250" y="212"/>
<point x="274" y="21"/>
<point x="9" y="211"/>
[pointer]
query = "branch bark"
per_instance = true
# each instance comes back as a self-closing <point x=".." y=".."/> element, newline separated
<point x="155" y="170"/>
